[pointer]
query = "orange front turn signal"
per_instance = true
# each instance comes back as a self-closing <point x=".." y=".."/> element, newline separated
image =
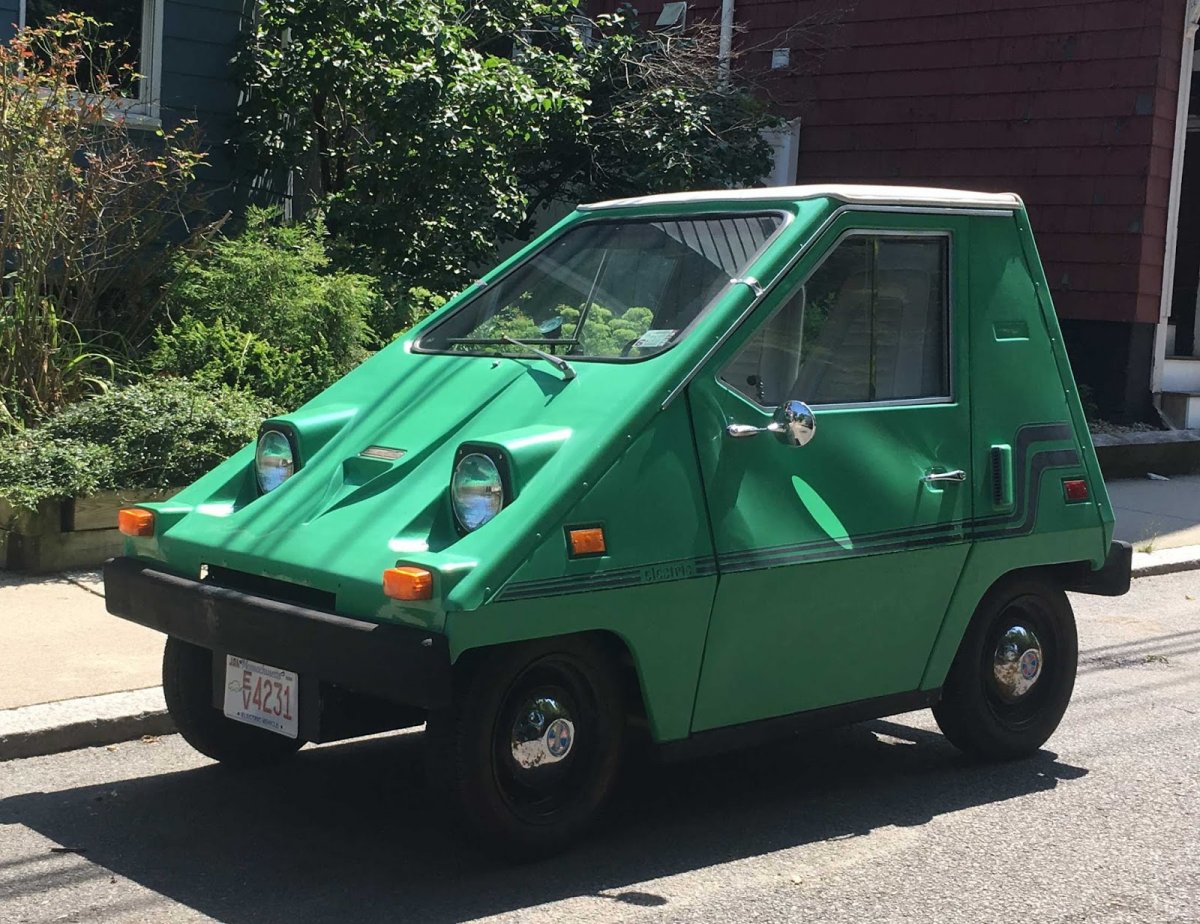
<point x="408" y="583"/>
<point x="588" y="541"/>
<point x="134" y="521"/>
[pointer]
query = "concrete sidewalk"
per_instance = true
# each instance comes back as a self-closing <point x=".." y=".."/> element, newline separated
<point x="1154" y="515"/>
<point x="57" y="641"/>
<point x="73" y="676"/>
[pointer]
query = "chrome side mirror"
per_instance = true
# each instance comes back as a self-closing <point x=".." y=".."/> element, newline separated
<point x="793" y="422"/>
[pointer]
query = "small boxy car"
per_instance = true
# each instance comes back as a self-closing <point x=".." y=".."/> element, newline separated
<point x="711" y="466"/>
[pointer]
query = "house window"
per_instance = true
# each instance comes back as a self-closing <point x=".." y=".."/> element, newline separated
<point x="870" y="324"/>
<point x="134" y="27"/>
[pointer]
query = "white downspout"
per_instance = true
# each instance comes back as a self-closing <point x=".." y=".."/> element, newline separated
<point x="1192" y="15"/>
<point x="725" y="48"/>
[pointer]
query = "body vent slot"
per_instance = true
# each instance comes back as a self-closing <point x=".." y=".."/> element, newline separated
<point x="1002" y="476"/>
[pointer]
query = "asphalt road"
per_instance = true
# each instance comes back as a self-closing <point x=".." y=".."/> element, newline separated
<point x="878" y="822"/>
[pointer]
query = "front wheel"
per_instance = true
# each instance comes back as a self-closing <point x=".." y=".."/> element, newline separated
<point x="530" y="748"/>
<point x="1014" y="672"/>
<point x="188" y="689"/>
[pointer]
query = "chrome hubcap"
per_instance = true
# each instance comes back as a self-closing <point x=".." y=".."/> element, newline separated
<point x="1018" y="662"/>
<point x="542" y="734"/>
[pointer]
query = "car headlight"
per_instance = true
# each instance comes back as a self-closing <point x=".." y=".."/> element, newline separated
<point x="274" y="460"/>
<point x="476" y="490"/>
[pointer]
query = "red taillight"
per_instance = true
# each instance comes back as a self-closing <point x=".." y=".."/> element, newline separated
<point x="1075" y="490"/>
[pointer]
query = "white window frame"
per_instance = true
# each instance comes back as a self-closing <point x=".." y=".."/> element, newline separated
<point x="142" y="111"/>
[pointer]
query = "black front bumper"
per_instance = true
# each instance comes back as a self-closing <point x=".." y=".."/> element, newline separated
<point x="399" y="663"/>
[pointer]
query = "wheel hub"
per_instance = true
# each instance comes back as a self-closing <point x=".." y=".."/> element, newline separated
<point x="1017" y="663"/>
<point x="542" y="734"/>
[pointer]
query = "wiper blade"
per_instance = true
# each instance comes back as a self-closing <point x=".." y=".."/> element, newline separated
<point x="567" y="370"/>
<point x="540" y="341"/>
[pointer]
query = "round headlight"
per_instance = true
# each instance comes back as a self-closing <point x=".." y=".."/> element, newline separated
<point x="476" y="490"/>
<point x="273" y="462"/>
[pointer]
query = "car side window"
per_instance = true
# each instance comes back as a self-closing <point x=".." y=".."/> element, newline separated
<point x="870" y="324"/>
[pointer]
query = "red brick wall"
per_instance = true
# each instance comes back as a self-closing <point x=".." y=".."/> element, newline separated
<point x="1070" y="103"/>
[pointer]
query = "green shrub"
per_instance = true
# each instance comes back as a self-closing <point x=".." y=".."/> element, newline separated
<point x="263" y="312"/>
<point x="156" y="434"/>
<point x="401" y="311"/>
<point x="33" y="468"/>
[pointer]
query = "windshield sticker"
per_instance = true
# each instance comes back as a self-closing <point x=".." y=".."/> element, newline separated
<point x="654" y="338"/>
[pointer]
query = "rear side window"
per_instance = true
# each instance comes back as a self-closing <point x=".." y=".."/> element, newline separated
<point x="870" y="324"/>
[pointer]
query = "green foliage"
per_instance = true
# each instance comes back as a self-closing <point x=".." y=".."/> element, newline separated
<point x="84" y="202"/>
<point x="604" y="333"/>
<point x="658" y="116"/>
<point x="413" y="116"/>
<point x="431" y="130"/>
<point x="263" y="311"/>
<point x="397" y="313"/>
<point x="156" y="434"/>
<point x="34" y="468"/>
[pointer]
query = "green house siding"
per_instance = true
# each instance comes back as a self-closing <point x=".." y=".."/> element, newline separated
<point x="8" y="18"/>
<point x="200" y="38"/>
<point x="199" y="41"/>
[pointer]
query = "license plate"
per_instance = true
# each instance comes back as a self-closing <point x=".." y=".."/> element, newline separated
<point x="261" y="695"/>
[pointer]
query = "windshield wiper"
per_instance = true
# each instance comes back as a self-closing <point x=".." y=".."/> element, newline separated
<point x="567" y="370"/>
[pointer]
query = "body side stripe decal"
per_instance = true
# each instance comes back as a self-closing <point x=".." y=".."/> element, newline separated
<point x="1020" y="521"/>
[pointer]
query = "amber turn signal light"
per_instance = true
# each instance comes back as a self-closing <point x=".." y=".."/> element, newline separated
<point x="588" y="541"/>
<point x="134" y="521"/>
<point x="408" y="583"/>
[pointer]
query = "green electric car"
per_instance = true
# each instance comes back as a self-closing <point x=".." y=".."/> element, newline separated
<point x="700" y="468"/>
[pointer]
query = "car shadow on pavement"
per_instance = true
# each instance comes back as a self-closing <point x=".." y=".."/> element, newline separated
<point x="350" y="831"/>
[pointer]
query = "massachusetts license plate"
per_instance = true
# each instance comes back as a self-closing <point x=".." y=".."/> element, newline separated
<point x="261" y="695"/>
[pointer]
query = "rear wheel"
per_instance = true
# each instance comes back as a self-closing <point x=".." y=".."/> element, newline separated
<point x="530" y="749"/>
<point x="1014" y="672"/>
<point x="188" y="689"/>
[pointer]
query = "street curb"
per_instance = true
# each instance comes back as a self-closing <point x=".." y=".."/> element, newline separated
<point x="1166" y="561"/>
<point x="90" y="721"/>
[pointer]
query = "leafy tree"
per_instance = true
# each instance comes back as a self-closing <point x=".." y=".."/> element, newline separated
<point x="430" y="130"/>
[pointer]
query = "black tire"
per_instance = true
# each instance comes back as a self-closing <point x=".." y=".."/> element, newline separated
<point x="187" y="688"/>
<point x="522" y="812"/>
<point x="984" y="710"/>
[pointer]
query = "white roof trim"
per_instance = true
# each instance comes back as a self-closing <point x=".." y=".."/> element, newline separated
<point x="866" y="195"/>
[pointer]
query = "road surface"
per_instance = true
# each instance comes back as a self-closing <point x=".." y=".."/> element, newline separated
<point x="881" y="822"/>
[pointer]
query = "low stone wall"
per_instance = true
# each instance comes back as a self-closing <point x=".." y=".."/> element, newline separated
<point x="1163" y="452"/>
<point x="62" y="535"/>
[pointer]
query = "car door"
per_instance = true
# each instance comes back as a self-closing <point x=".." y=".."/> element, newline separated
<point x="837" y="559"/>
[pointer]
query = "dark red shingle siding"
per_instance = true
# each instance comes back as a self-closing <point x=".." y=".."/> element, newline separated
<point x="1070" y="104"/>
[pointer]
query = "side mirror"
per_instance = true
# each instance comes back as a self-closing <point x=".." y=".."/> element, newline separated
<point x="794" y="423"/>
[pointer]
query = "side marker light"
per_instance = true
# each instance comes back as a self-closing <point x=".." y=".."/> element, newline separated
<point x="134" y="521"/>
<point x="408" y="583"/>
<point x="1075" y="490"/>
<point x="588" y="541"/>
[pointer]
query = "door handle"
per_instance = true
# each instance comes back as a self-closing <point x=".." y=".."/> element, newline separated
<point x="933" y="477"/>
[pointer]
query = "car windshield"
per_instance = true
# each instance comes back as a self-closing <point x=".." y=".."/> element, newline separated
<point x="607" y="289"/>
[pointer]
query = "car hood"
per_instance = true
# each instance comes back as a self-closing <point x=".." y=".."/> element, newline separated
<point x="349" y="511"/>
